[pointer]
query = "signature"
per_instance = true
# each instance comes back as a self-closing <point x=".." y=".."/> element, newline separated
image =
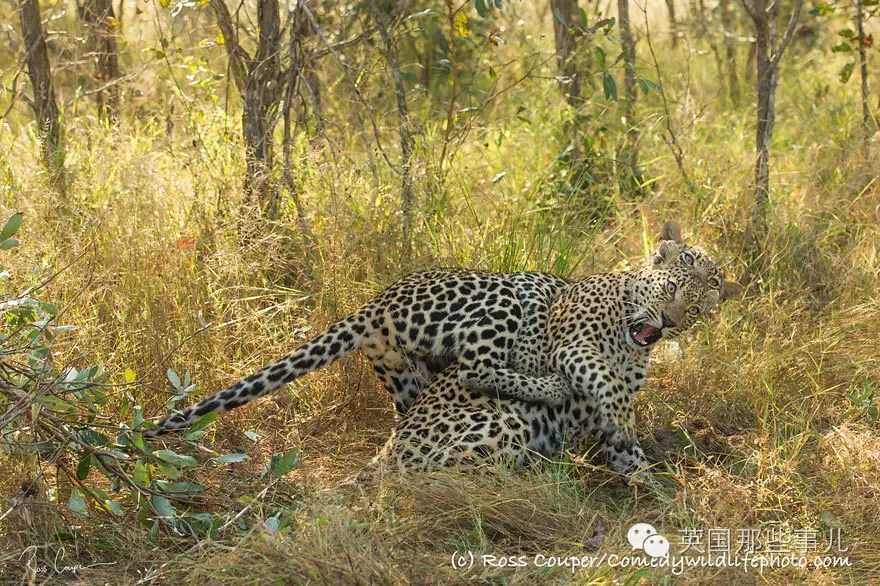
<point x="58" y="566"/>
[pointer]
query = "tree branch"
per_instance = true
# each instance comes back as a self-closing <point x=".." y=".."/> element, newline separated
<point x="752" y="14"/>
<point x="789" y="33"/>
<point x="238" y="57"/>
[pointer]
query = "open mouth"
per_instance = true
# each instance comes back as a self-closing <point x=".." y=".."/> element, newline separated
<point x="644" y="334"/>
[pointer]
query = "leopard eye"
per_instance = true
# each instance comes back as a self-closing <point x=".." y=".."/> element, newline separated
<point x="693" y="311"/>
<point x="714" y="282"/>
<point x="671" y="288"/>
<point x="687" y="258"/>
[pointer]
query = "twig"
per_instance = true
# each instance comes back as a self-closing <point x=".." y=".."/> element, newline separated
<point x="672" y="140"/>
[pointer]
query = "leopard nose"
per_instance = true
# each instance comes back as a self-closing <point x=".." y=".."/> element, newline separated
<point x="668" y="323"/>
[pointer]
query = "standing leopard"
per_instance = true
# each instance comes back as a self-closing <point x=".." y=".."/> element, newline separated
<point x="600" y="334"/>
<point x="491" y="324"/>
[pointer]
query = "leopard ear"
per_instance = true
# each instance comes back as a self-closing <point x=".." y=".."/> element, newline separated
<point x="730" y="290"/>
<point x="710" y="299"/>
<point x="671" y="231"/>
<point x="667" y="254"/>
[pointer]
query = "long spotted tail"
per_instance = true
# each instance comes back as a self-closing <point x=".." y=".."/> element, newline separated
<point x="340" y="340"/>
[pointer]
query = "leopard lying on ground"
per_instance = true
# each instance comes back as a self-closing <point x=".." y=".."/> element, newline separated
<point x="491" y="324"/>
<point x="599" y="336"/>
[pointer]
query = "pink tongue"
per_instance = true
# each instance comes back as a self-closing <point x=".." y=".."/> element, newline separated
<point x="646" y="331"/>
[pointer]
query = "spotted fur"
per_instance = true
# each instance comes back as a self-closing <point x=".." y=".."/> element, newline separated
<point x="492" y="325"/>
<point x="591" y="347"/>
<point x="413" y="330"/>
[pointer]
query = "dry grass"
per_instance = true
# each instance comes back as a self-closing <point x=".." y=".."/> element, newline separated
<point x="753" y="418"/>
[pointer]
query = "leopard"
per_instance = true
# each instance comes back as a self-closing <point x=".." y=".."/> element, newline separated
<point x="491" y="325"/>
<point x="600" y="335"/>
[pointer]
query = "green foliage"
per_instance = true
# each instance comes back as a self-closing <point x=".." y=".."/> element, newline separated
<point x="865" y="401"/>
<point x="118" y="475"/>
<point x="281" y="464"/>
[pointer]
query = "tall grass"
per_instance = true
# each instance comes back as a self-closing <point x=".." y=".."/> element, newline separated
<point x="768" y="414"/>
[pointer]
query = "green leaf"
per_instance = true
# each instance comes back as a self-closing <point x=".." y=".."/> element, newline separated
<point x="58" y="404"/>
<point x="181" y="487"/>
<point x="140" y="475"/>
<point x="175" y="380"/>
<point x="843" y="47"/>
<point x="281" y="464"/>
<point x="174" y="458"/>
<point x="846" y="33"/>
<point x="610" y="87"/>
<point x="82" y="469"/>
<point x="162" y="506"/>
<point x="822" y="9"/>
<point x="169" y="470"/>
<point x="93" y="438"/>
<point x="231" y="458"/>
<point x="77" y="503"/>
<point x="481" y="8"/>
<point x="138" y="441"/>
<point x="9" y="244"/>
<point x="846" y="72"/>
<point x="203" y="422"/>
<point x="271" y="523"/>
<point x="600" y="57"/>
<point x="114" y="507"/>
<point x="11" y="227"/>
<point x="646" y="85"/>
<point x="605" y="22"/>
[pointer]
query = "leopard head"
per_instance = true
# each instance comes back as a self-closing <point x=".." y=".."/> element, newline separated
<point x="673" y="251"/>
<point x="666" y="302"/>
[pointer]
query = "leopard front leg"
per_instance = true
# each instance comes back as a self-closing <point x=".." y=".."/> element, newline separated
<point x="618" y="437"/>
<point x="589" y="375"/>
<point x="483" y="368"/>
<point x="552" y="390"/>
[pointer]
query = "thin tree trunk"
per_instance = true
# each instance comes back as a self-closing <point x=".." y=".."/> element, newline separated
<point x="99" y="17"/>
<point x="260" y="100"/>
<point x="259" y="80"/>
<point x="750" y="62"/>
<point x="728" y="23"/>
<point x="452" y="52"/>
<point x="293" y="79"/>
<point x="768" y="54"/>
<point x="673" y="23"/>
<point x="565" y="14"/>
<point x="407" y="197"/>
<point x="863" y="69"/>
<point x="44" y="104"/>
<point x="629" y="155"/>
<point x="309" y="78"/>
<point x="763" y="126"/>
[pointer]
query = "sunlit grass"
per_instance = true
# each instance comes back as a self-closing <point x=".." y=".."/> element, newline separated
<point x="767" y="415"/>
